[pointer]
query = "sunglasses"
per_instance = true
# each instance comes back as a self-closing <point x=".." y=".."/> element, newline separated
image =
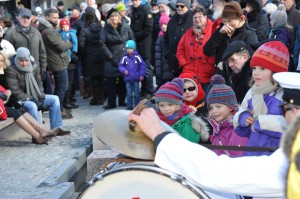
<point x="189" y="89"/>
<point x="180" y="6"/>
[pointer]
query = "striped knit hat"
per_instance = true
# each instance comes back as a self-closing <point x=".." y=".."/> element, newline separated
<point x="273" y="55"/>
<point x="170" y="92"/>
<point x="220" y="93"/>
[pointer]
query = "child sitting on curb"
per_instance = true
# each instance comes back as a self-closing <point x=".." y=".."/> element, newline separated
<point x="172" y="110"/>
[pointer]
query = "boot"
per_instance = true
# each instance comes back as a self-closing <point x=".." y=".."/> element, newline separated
<point x="66" y="114"/>
<point x="67" y="101"/>
<point x="39" y="127"/>
<point x="26" y="126"/>
<point x="87" y="92"/>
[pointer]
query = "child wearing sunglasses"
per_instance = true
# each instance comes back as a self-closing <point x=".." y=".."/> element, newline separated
<point x="222" y="105"/>
<point x="172" y="110"/>
<point x="260" y="117"/>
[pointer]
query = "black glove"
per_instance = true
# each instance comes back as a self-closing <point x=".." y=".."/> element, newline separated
<point x="43" y="75"/>
<point x="74" y="58"/>
<point x="39" y="104"/>
<point x="3" y="96"/>
<point x="43" y="108"/>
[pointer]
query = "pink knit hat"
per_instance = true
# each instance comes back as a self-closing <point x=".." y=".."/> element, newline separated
<point x="164" y="19"/>
<point x="273" y="55"/>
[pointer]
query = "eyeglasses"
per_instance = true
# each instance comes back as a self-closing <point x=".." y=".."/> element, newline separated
<point x="189" y="89"/>
<point x="232" y="60"/>
<point x="180" y="6"/>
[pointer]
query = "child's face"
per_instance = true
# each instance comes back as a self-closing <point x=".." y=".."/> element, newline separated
<point x="219" y="112"/>
<point x="261" y="75"/>
<point x="167" y="108"/>
<point x="129" y="50"/>
<point x="65" y="28"/>
<point x="190" y="93"/>
<point x="163" y="27"/>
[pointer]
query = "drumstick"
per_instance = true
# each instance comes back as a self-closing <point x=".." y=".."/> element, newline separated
<point x="138" y="109"/>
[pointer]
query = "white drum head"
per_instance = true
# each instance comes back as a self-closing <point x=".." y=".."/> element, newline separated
<point x="140" y="184"/>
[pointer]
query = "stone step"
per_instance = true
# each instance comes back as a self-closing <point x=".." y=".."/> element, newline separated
<point x="96" y="159"/>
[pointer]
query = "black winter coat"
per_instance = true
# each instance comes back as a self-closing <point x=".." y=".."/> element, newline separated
<point x="142" y="26"/>
<point x="218" y="42"/>
<point x="177" y="26"/>
<point x="260" y="24"/>
<point x="114" y="42"/>
<point x="162" y="68"/>
<point x="91" y="50"/>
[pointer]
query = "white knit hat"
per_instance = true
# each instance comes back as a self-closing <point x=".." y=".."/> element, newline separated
<point x="279" y="17"/>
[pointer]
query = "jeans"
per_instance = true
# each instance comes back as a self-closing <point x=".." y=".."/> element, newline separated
<point x="147" y="84"/>
<point x="61" y="84"/>
<point x="133" y="92"/>
<point x="47" y="84"/>
<point x="53" y="103"/>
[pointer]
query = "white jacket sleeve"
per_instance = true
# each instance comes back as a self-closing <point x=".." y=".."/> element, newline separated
<point x="259" y="176"/>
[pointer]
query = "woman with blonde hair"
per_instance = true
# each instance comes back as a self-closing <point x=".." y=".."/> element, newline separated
<point x="114" y="35"/>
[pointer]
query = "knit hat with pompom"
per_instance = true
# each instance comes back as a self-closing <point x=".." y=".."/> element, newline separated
<point x="171" y="92"/>
<point x="220" y="93"/>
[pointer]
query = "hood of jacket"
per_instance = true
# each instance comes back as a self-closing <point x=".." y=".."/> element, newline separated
<point x="44" y="24"/>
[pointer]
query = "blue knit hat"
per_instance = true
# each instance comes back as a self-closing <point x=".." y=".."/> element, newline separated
<point x="220" y="93"/>
<point x="171" y="92"/>
<point x="130" y="44"/>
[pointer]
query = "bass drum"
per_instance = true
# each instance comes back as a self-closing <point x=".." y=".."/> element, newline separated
<point x="141" y="180"/>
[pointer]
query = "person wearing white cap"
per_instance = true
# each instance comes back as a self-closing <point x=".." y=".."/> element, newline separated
<point x="274" y="176"/>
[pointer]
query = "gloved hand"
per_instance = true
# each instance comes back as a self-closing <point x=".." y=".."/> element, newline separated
<point x="43" y="75"/>
<point x="39" y="104"/>
<point x="43" y="108"/>
<point x="74" y="58"/>
<point x="3" y="96"/>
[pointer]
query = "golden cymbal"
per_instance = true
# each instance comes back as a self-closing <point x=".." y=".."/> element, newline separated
<point x="111" y="128"/>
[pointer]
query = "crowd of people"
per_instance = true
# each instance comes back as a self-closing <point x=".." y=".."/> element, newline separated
<point x="225" y="71"/>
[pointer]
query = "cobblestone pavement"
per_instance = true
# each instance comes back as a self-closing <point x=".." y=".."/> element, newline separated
<point x="25" y="166"/>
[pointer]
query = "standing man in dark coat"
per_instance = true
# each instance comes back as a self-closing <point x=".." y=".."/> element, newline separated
<point x="177" y="26"/>
<point x="57" y="56"/>
<point x="142" y="26"/>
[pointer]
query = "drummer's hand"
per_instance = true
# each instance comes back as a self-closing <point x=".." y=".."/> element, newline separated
<point x="148" y="121"/>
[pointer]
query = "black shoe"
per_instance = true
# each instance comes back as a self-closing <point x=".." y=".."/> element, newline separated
<point x="70" y="106"/>
<point x="108" y="107"/>
<point x="73" y="100"/>
<point x="122" y="104"/>
<point x="96" y="102"/>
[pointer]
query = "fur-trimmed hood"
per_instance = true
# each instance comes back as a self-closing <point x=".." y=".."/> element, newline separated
<point x="200" y="126"/>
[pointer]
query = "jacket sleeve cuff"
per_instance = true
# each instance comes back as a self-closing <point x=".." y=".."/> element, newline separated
<point x="242" y="118"/>
<point x="159" y="138"/>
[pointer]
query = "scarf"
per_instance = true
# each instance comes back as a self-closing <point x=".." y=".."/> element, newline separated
<point x="172" y="119"/>
<point x="32" y="88"/>
<point x="258" y="103"/>
<point x="198" y="31"/>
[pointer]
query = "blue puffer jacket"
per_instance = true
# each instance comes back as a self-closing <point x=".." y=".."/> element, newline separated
<point x="267" y="129"/>
<point x="135" y="66"/>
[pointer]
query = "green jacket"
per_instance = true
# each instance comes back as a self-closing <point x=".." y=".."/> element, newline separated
<point x="185" y="129"/>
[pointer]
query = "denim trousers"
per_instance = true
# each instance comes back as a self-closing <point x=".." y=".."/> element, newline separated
<point x="133" y="93"/>
<point x="52" y="102"/>
<point x="61" y="84"/>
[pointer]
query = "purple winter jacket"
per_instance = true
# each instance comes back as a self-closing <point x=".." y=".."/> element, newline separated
<point x="224" y="135"/>
<point x="135" y="66"/>
<point x="267" y="129"/>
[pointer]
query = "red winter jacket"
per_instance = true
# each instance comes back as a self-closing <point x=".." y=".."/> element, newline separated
<point x="191" y="57"/>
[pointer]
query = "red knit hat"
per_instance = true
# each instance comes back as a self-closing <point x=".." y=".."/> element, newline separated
<point x="171" y="92"/>
<point x="188" y="75"/>
<point x="64" y="22"/>
<point x="164" y="19"/>
<point x="273" y="55"/>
